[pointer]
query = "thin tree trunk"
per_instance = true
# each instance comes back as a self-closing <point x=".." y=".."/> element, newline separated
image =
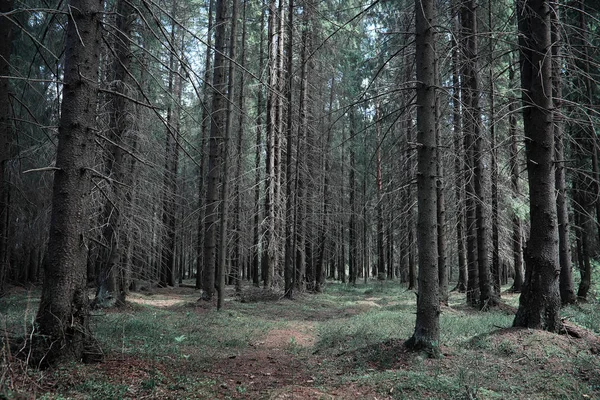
<point x="270" y="215"/>
<point x="223" y="229"/>
<point x="441" y="203"/>
<point x="257" y="180"/>
<point x="237" y="262"/>
<point x="5" y="132"/>
<point x="380" y="229"/>
<point x="517" y="248"/>
<point x="567" y="291"/>
<point x="461" y="286"/>
<point x="169" y="211"/>
<point x="470" y="96"/>
<point x="205" y="126"/>
<point x="289" y="263"/>
<point x="495" y="270"/>
<point x="216" y="146"/>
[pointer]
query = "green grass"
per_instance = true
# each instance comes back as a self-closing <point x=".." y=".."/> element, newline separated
<point x="169" y="352"/>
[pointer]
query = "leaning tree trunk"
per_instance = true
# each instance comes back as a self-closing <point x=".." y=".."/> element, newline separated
<point x="5" y="132"/>
<point x="539" y="303"/>
<point x="427" y="330"/>
<point x="63" y="314"/>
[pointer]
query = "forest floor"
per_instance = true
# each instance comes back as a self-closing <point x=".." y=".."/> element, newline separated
<point x="345" y="343"/>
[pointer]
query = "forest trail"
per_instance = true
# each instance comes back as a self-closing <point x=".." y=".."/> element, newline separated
<point x="345" y="343"/>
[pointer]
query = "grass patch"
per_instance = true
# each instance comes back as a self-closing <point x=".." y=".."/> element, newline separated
<point x="345" y="342"/>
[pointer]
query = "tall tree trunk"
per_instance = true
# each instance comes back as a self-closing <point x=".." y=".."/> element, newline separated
<point x="289" y="263"/>
<point x="224" y="220"/>
<point x="461" y="286"/>
<point x="270" y="248"/>
<point x="495" y="270"/>
<point x="567" y="291"/>
<point x="169" y="210"/>
<point x="427" y="334"/>
<point x="441" y="202"/>
<point x="380" y="230"/>
<point x="215" y="157"/>
<point x="517" y="248"/>
<point x="470" y="96"/>
<point x="110" y="289"/>
<point x="63" y="314"/>
<point x="352" y="242"/>
<point x="205" y="126"/>
<point x="257" y="180"/>
<point x="5" y="132"/>
<point x="301" y="158"/>
<point x="237" y="261"/>
<point x="539" y="303"/>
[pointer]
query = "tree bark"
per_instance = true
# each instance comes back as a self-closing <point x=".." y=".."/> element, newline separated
<point x="289" y="263"/>
<point x="539" y="303"/>
<point x="5" y="132"/>
<point x="426" y="335"/>
<point x="215" y="158"/>
<point x="461" y="285"/>
<point x="470" y="96"/>
<point x="237" y="260"/>
<point x="63" y="314"/>
<point x="517" y="247"/>
<point x="203" y="132"/>
<point x="566" y="288"/>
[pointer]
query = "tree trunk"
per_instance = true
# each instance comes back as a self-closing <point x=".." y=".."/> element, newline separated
<point x="110" y="289"/>
<point x="461" y="286"/>
<point x="289" y="263"/>
<point x="224" y="220"/>
<point x="441" y="203"/>
<point x="495" y="270"/>
<point x="470" y="97"/>
<point x="5" y="132"/>
<point x="169" y="211"/>
<point x="517" y="248"/>
<point x="539" y="303"/>
<point x="426" y="335"/>
<point x="203" y="132"/>
<point x="256" y="252"/>
<point x="237" y="261"/>
<point x="270" y="248"/>
<point x="63" y="314"/>
<point x="215" y="155"/>
<point x="567" y="291"/>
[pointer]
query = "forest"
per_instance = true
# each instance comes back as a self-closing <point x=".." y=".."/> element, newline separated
<point x="393" y="185"/>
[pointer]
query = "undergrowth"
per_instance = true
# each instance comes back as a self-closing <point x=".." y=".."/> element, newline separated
<point x="170" y="346"/>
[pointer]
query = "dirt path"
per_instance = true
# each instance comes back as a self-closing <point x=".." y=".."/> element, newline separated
<point x="282" y="366"/>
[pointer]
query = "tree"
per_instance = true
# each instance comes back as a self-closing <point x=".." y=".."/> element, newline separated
<point x="427" y="330"/>
<point x="111" y="287"/>
<point x="567" y="292"/>
<point x="215" y="157"/>
<point x="539" y="303"/>
<point x="63" y="314"/>
<point x="5" y="132"/>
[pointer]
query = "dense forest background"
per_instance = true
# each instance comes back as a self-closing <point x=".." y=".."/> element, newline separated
<point x="281" y="144"/>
